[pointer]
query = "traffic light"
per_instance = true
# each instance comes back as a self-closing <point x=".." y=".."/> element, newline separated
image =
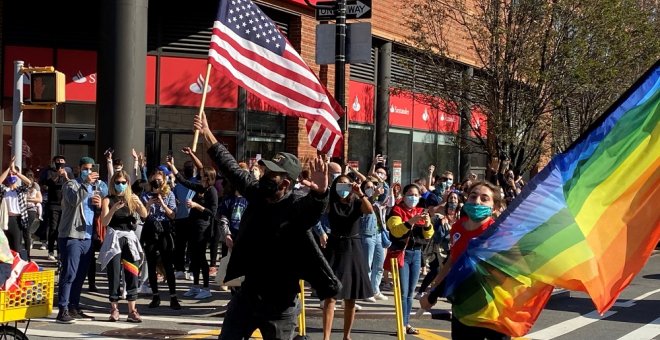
<point x="47" y="87"/>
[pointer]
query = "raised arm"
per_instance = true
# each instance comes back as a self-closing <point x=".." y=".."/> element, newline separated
<point x="108" y="163"/>
<point x="197" y="187"/>
<point x="198" y="163"/>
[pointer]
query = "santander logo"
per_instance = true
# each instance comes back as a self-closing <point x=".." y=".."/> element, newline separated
<point x="425" y="115"/>
<point x="197" y="86"/>
<point x="399" y="110"/>
<point x="79" y="78"/>
<point x="356" y="105"/>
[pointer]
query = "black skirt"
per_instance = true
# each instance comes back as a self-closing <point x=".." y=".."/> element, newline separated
<point x="344" y="254"/>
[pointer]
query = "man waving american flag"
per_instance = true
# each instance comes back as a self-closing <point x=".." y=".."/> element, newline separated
<point x="247" y="47"/>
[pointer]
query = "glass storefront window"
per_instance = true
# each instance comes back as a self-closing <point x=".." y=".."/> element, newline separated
<point x="447" y="156"/>
<point x="361" y="146"/>
<point x="267" y="147"/>
<point x="399" y="146"/>
<point x="72" y="113"/>
<point x="29" y="115"/>
<point x="424" y="154"/>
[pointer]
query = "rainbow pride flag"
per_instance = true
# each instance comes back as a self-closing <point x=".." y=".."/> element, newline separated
<point x="587" y="222"/>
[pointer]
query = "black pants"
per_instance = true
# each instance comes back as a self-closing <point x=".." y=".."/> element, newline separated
<point x="163" y="245"/>
<point x="15" y="235"/>
<point x="198" y="242"/>
<point x="181" y="228"/>
<point x="460" y="331"/>
<point x="123" y="261"/>
<point x="215" y="243"/>
<point x="33" y="222"/>
<point x="245" y="314"/>
<point x="53" y="223"/>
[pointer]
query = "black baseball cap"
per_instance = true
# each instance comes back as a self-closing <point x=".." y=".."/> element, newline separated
<point x="283" y="162"/>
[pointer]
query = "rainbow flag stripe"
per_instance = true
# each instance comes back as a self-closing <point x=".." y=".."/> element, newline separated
<point x="587" y="222"/>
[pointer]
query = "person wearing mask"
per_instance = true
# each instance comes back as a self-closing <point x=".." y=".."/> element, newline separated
<point x="34" y="210"/>
<point x="483" y="199"/>
<point x="344" y="254"/>
<point x="410" y="228"/>
<point x="54" y="179"/>
<point x="321" y="228"/>
<point x="139" y="187"/>
<point x="444" y="184"/>
<point x="121" y="249"/>
<point x="276" y="223"/>
<point x="181" y="222"/>
<point x="81" y="198"/>
<point x="371" y="226"/>
<point x="14" y="200"/>
<point x="203" y="207"/>
<point x="156" y="238"/>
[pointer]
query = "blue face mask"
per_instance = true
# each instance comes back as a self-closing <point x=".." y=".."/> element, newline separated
<point x="84" y="174"/>
<point x="449" y="182"/>
<point x="412" y="201"/>
<point x="343" y="193"/>
<point x="120" y="187"/>
<point x="11" y="179"/>
<point x="452" y="205"/>
<point x="477" y="212"/>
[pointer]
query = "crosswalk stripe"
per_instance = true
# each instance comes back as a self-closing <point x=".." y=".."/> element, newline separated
<point x="50" y="334"/>
<point x="631" y="302"/>
<point x="648" y="331"/>
<point x="569" y="325"/>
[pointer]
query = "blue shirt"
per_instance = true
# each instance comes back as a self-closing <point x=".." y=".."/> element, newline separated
<point x="89" y="208"/>
<point x="232" y="208"/>
<point x="156" y="211"/>
<point x="182" y="195"/>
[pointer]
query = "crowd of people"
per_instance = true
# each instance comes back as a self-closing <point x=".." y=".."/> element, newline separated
<point x="335" y="228"/>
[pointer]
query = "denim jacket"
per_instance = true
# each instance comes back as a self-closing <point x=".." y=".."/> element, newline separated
<point x="368" y="225"/>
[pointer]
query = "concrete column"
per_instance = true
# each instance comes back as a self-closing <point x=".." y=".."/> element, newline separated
<point x="121" y="110"/>
<point x="383" y="84"/>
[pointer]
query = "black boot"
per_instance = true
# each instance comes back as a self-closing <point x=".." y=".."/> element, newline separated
<point x="174" y="303"/>
<point x="155" y="301"/>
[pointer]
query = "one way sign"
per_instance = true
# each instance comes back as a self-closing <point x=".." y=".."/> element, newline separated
<point x="355" y="9"/>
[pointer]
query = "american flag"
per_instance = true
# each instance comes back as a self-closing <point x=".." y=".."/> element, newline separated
<point x="247" y="47"/>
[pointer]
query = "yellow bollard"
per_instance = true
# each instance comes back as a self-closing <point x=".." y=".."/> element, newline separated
<point x="400" y="333"/>
<point x="302" y="325"/>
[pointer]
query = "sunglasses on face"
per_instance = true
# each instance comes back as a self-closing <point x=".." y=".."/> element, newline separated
<point x="120" y="182"/>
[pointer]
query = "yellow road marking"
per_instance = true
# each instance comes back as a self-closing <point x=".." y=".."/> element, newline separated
<point x="429" y="334"/>
<point x="216" y="332"/>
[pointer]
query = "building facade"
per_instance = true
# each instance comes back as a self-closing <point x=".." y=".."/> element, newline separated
<point x="412" y="134"/>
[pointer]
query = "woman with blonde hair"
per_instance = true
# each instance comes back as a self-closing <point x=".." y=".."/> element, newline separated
<point x="121" y="249"/>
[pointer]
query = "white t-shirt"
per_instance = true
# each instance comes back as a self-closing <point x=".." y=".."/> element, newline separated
<point x="11" y="196"/>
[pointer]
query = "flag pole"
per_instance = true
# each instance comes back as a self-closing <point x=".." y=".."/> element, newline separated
<point x="201" y="106"/>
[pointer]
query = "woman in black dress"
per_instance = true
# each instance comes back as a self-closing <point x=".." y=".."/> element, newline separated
<point x="344" y="251"/>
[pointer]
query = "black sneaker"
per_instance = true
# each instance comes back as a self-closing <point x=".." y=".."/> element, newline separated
<point x="78" y="314"/>
<point x="64" y="317"/>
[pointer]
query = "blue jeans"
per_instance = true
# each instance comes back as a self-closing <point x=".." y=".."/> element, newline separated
<point x="375" y="257"/>
<point x="75" y="255"/>
<point x="409" y="275"/>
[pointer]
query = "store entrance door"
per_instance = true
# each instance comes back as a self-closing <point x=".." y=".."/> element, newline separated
<point x="75" y="143"/>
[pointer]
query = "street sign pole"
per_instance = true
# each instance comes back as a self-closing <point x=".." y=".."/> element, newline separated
<point x="340" y="68"/>
<point x="17" y="114"/>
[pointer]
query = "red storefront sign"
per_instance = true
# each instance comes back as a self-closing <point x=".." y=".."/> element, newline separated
<point x="150" y="81"/>
<point x="401" y="109"/>
<point x="182" y="81"/>
<point x="31" y="56"/>
<point x="440" y="116"/>
<point x="79" y="68"/>
<point x="361" y="102"/>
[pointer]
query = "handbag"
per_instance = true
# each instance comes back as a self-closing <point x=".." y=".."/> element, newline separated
<point x="222" y="272"/>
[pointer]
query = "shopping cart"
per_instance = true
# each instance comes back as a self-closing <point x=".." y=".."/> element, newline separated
<point x="32" y="299"/>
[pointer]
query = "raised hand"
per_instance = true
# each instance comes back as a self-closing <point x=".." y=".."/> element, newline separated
<point x="318" y="175"/>
<point x="187" y="150"/>
<point x="12" y="164"/>
<point x="135" y="155"/>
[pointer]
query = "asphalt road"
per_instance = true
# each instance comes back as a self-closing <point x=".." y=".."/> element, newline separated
<point x="636" y="315"/>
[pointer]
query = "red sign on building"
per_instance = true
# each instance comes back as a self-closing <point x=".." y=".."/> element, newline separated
<point x="182" y="83"/>
<point x="150" y="81"/>
<point x="79" y="67"/>
<point x="401" y="109"/>
<point x="361" y="102"/>
<point x="31" y="56"/>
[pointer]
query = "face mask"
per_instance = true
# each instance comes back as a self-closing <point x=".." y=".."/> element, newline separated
<point x="449" y="182"/>
<point x="268" y="187"/>
<point x="452" y="205"/>
<point x="11" y="179"/>
<point x="188" y="172"/>
<point x="477" y="212"/>
<point x="84" y="174"/>
<point x="343" y="193"/>
<point x="156" y="184"/>
<point x="369" y="192"/>
<point x="412" y="201"/>
<point x="381" y="176"/>
<point x="120" y="187"/>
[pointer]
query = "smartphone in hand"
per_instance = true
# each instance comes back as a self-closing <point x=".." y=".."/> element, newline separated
<point x="95" y="168"/>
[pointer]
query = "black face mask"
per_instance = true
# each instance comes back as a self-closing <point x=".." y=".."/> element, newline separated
<point x="188" y="172"/>
<point x="268" y="187"/>
<point x="156" y="184"/>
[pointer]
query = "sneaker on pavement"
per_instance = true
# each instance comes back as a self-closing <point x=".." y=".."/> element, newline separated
<point x="380" y="297"/>
<point x="358" y="307"/>
<point x="42" y="247"/>
<point x="114" y="315"/>
<point x="51" y="256"/>
<point x="134" y="317"/>
<point x="370" y="299"/>
<point x="64" y="317"/>
<point x="193" y="291"/>
<point x="204" y="293"/>
<point x="419" y="295"/>
<point x="78" y="314"/>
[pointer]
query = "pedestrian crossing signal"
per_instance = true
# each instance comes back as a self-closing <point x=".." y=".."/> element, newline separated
<point x="47" y="87"/>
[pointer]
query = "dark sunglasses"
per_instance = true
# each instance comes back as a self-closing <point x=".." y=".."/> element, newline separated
<point x="120" y="182"/>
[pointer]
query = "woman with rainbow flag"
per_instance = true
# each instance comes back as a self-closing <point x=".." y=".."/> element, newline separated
<point x="483" y="198"/>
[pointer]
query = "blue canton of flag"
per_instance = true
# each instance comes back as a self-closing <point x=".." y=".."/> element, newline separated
<point x="250" y="23"/>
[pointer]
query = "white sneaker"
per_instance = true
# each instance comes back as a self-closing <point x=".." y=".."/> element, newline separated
<point x="43" y="246"/>
<point x="419" y="295"/>
<point x="193" y="291"/>
<point x="341" y="305"/>
<point x="204" y="293"/>
<point x="370" y="299"/>
<point x="358" y="307"/>
<point x="145" y="290"/>
<point x="51" y="256"/>
<point x="380" y="297"/>
<point x="180" y="275"/>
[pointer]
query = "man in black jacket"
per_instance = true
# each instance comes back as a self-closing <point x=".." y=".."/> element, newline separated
<point x="274" y="248"/>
